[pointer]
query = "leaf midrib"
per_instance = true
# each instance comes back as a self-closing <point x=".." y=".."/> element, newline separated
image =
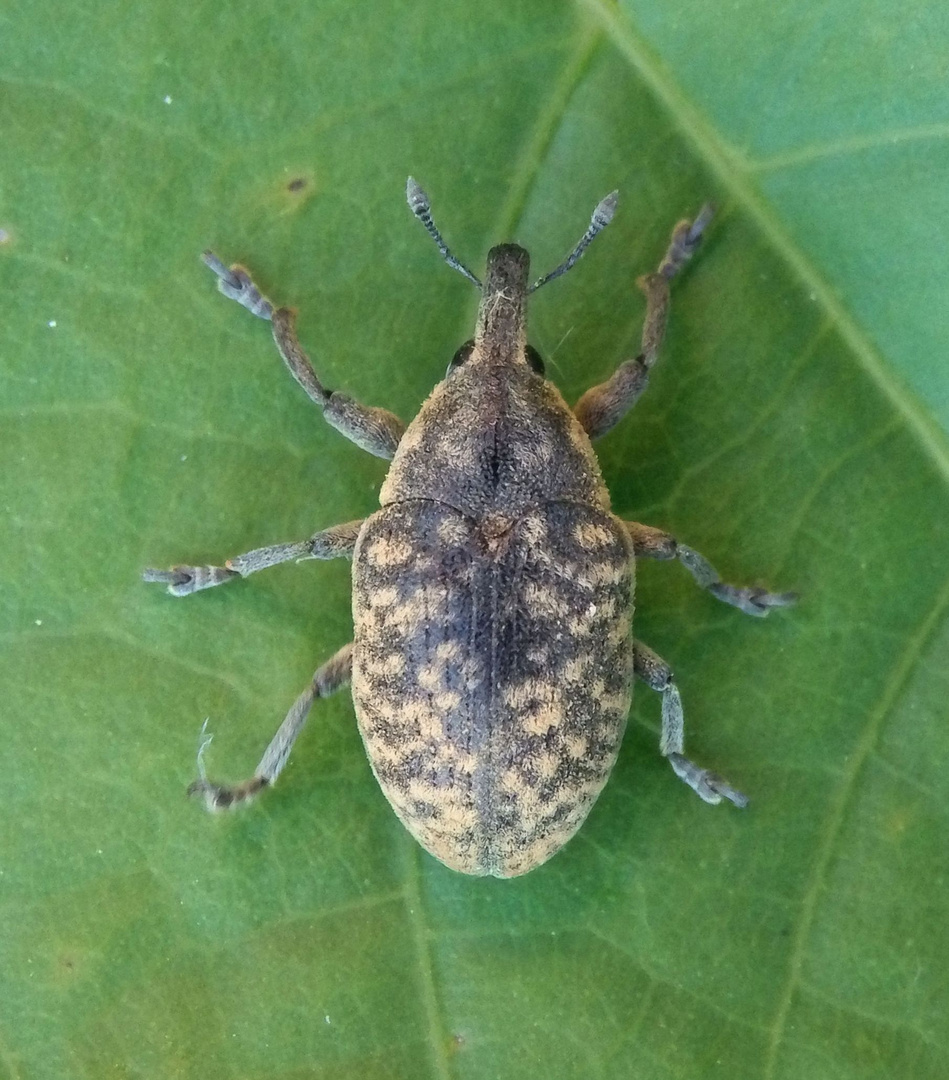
<point x="725" y="163"/>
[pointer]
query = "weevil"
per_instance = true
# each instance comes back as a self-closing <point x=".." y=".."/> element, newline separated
<point x="492" y="662"/>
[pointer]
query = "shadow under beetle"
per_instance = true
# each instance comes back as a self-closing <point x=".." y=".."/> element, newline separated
<point x="493" y="659"/>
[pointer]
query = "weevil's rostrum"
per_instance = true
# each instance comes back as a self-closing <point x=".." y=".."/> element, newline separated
<point x="493" y="658"/>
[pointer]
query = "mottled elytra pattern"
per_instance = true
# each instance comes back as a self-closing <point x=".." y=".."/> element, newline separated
<point x="492" y="673"/>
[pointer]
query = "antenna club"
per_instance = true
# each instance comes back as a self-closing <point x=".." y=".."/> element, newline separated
<point x="605" y="209"/>
<point x="602" y="216"/>
<point x="417" y="199"/>
<point x="422" y="209"/>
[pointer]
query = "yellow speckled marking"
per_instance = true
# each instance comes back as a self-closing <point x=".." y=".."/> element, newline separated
<point x="430" y="677"/>
<point x="574" y="671"/>
<point x="534" y="530"/>
<point x="448" y="650"/>
<point x="592" y="575"/>
<point x="546" y="764"/>
<point x="386" y="551"/>
<point x="391" y="664"/>
<point x="520" y="696"/>
<point x="543" y="717"/>
<point x="447" y="701"/>
<point x="383" y="597"/>
<point x="620" y="630"/>
<point x="591" y="536"/>
<point x="577" y="746"/>
<point x="405" y="617"/>
<point x="544" y="604"/>
<point x="528" y="797"/>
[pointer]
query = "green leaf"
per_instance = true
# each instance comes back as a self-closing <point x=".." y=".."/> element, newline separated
<point x="794" y="432"/>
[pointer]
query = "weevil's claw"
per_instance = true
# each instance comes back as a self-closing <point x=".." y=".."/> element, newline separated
<point x="185" y="580"/>
<point x="707" y="785"/>
<point x="768" y="600"/>
<point x="215" y="796"/>
<point x="175" y="576"/>
<point x="236" y="284"/>
<point x="685" y="240"/>
<point x="220" y="797"/>
<point x="719" y="789"/>
<point x="699" y="225"/>
<point x="752" y="600"/>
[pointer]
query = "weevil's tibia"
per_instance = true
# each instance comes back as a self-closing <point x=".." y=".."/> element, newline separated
<point x="421" y="207"/>
<point x="602" y="216"/>
<point x="376" y="430"/>
<point x="332" y="676"/>
<point x="333" y="543"/>
<point x="603" y="406"/>
<point x="650" y="543"/>
<point x="657" y="675"/>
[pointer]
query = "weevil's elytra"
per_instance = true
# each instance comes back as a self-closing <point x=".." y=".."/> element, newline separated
<point x="493" y="658"/>
<point x="493" y="680"/>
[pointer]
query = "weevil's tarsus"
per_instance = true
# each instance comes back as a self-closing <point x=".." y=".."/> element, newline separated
<point x="336" y="542"/>
<point x="650" y="543"/>
<point x="602" y="216"/>
<point x="752" y="600"/>
<point x="421" y="207"/>
<point x="602" y="407"/>
<point x="236" y="284"/>
<point x="685" y="241"/>
<point x="332" y="676"/>
<point x="185" y="580"/>
<point x="709" y="787"/>
<point x="657" y="675"/>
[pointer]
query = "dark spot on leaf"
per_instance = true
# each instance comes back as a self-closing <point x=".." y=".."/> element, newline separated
<point x="298" y="183"/>
<point x="66" y="965"/>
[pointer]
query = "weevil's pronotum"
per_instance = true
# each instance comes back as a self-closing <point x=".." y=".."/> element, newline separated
<point x="493" y="659"/>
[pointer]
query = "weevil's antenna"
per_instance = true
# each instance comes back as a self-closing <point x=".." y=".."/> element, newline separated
<point x="422" y="209"/>
<point x="602" y="216"/>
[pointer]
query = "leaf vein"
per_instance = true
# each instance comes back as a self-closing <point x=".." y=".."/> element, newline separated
<point x="864" y="748"/>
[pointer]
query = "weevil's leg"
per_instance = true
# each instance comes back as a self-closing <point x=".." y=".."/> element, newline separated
<point x="375" y="430"/>
<point x="603" y="406"/>
<point x="657" y="674"/>
<point x="650" y="543"/>
<point x="336" y="542"/>
<point x="332" y="676"/>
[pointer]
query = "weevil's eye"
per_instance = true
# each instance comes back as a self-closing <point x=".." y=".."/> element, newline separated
<point x="460" y="357"/>
<point x="535" y="360"/>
